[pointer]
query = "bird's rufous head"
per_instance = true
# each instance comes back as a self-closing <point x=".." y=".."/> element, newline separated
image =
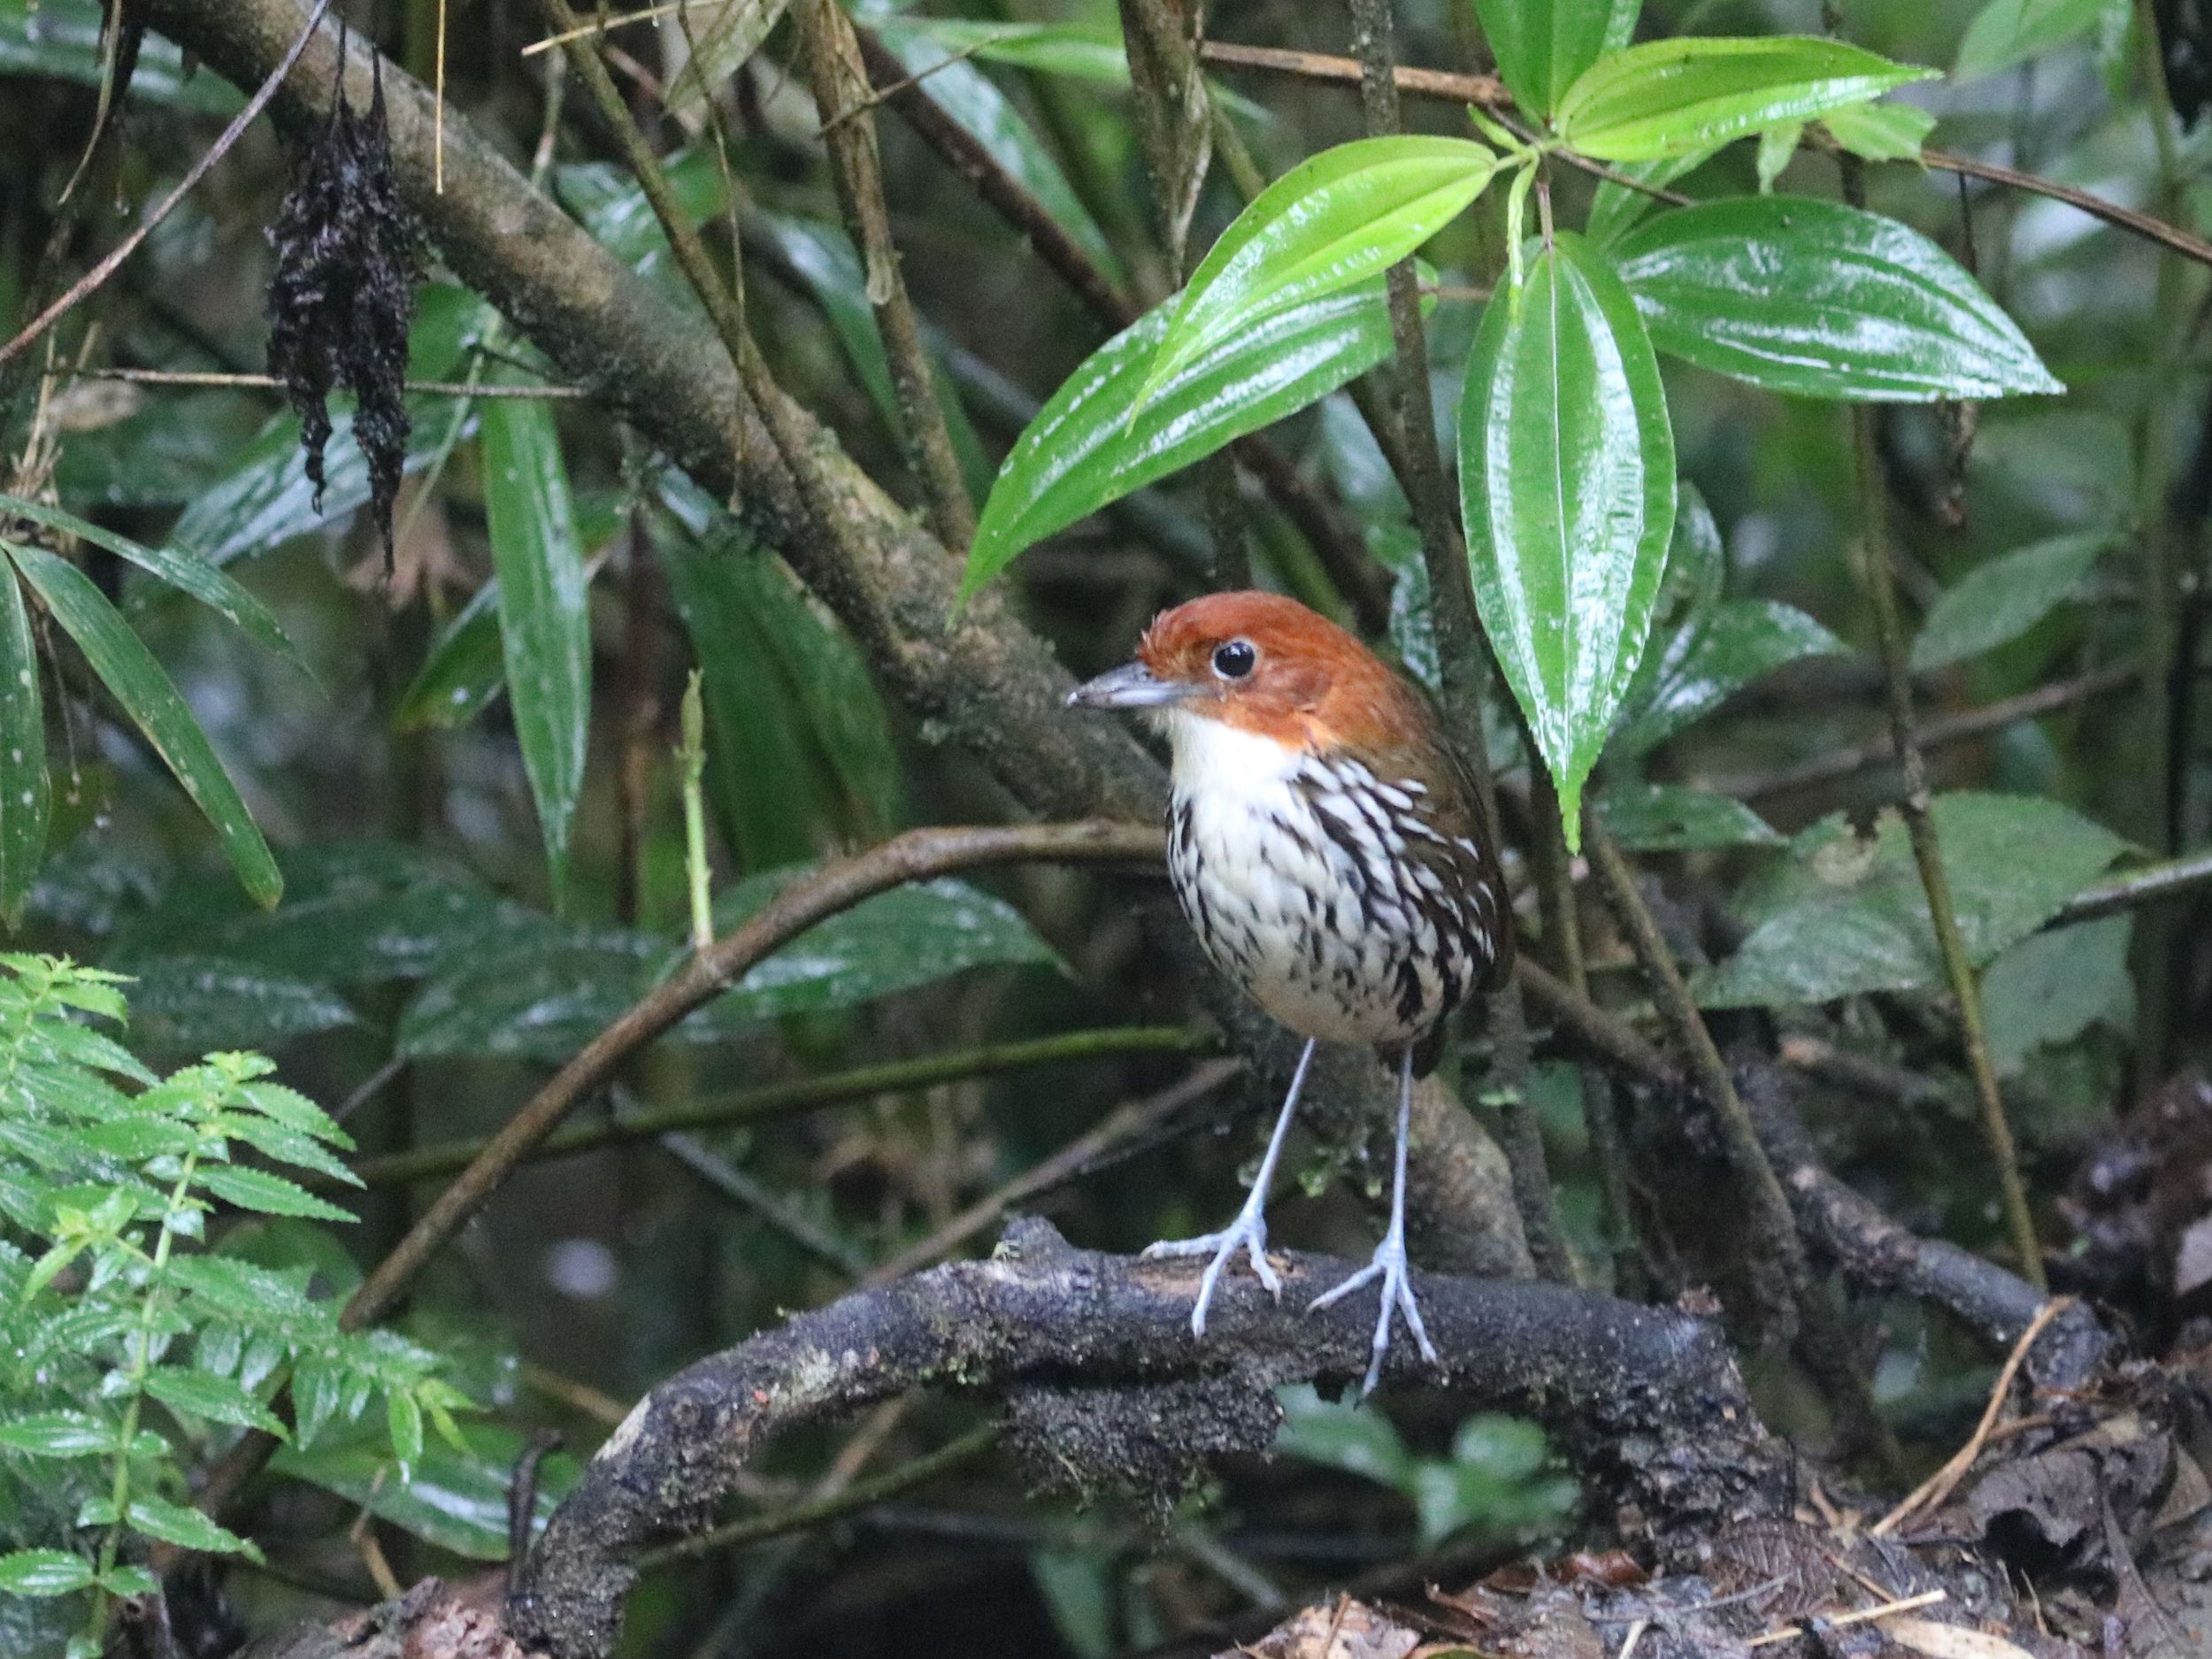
<point x="1263" y="663"/>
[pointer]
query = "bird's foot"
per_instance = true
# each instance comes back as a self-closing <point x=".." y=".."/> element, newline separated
<point x="1247" y="1232"/>
<point x="1389" y="1265"/>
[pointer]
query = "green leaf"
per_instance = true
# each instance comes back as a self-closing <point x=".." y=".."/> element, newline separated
<point x="267" y="1194"/>
<point x="1778" y="147"/>
<point x="138" y="1136"/>
<point x="187" y="572"/>
<point x="1339" y="1436"/>
<point x="203" y="1395"/>
<point x="1672" y="97"/>
<point x="188" y="1529"/>
<point x="1335" y="220"/>
<point x="25" y="796"/>
<point x="823" y="254"/>
<point x="2007" y="32"/>
<point x="1848" y="915"/>
<point x="1738" y="642"/>
<point x="1082" y="452"/>
<point x="1616" y="208"/>
<point x="1997" y="602"/>
<point x="402" y="1420"/>
<point x="718" y="50"/>
<point x="1543" y="45"/>
<point x="1880" y="132"/>
<point x="463" y="672"/>
<point x="2053" y="986"/>
<point x="188" y="1005"/>
<point x="128" y="670"/>
<point x="1567" y="487"/>
<point x="60" y="40"/>
<point x="455" y="1500"/>
<point x="966" y="94"/>
<point x="1075" y="50"/>
<point x="57" y="1434"/>
<point x="1826" y="301"/>
<point x="43" y="1572"/>
<point x="544" y="990"/>
<point x="544" y="620"/>
<point x="1654" y="817"/>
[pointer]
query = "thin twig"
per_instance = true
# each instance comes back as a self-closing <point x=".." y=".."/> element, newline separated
<point x="841" y="86"/>
<point x="92" y="280"/>
<point x="1888" y="1609"/>
<point x="1778" y="1261"/>
<point x="1123" y="1124"/>
<point x="800" y="1095"/>
<point x="266" y="382"/>
<point x="1932" y="1490"/>
<point x="1937" y="733"/>
<point x="1878" y="576"/>
<point x="2143" y="886"/>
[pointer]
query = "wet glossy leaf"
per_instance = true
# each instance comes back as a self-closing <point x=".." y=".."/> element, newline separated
<point x="1333" y="221"/>
<point x="544" y="989"/>
<point x="1082" y="452"/>
<point x="190" y="1004"/>
<point x="544" y="621"/>
<point x="1672" y="97"/>
<point x="171" y="451"/>
<point x="1075" y="50"/>
<point x="203" y="1394"/>
<point x="615" y="210"/>
<point x="1738" y="640"/>
<point x="1542" y="45"/>
<point x="455" y="1500"/>
<point x="128" y="670"/>
<point x="2007" y="32"/>
<point x="2052" y="986"/>
<point x="25" y="798"/>
<point x="1567" y="487"/>
<point x="176" y="1523"/>
<point x="463" y="672"/>
<point x="966" y="94"/>
<point x="43" y="1572"/>
<point x="1880" y="132"/>
<point x="267" y="1194"/>
<point x="354" y="912"/>
<point x="1998" y="602"/>
<point x="59" y="40"/>
<point x="1656" y="818"/>
<point x="187" y="572"/>
<point x="1616" y="208"/>
<point x="1848" y="915"/>
<point x="57" y="1434"/>
<point x="1813" y="298"/>
<point x="824" y="255"/>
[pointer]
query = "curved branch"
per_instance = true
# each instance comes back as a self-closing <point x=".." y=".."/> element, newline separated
<point x="1108" y="1384"/>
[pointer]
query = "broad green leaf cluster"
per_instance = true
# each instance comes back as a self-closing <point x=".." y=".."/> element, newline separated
<point x="1566" y="453"/>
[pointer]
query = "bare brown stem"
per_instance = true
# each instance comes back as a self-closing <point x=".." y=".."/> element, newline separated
<point x="841" y="93"/>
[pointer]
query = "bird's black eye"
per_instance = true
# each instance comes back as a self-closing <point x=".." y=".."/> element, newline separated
<point x="1233" y="658"/>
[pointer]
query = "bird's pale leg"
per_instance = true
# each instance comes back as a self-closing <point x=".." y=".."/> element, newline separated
<point x="1250" y="1229"/>
<point x="1390" y="1263"/>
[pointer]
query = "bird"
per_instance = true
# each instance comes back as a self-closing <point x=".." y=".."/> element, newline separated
<point x="1329" y="846"/>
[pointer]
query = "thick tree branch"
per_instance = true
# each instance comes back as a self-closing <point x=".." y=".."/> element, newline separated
<point x="1109" y="1385"/>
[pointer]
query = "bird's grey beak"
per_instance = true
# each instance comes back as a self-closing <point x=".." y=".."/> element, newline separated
<point x="1132" y="686"/>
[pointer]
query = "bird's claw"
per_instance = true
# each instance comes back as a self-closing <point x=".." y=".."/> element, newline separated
<point x="1248" y="1231"/>
<point x="1389" y="1265"/>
